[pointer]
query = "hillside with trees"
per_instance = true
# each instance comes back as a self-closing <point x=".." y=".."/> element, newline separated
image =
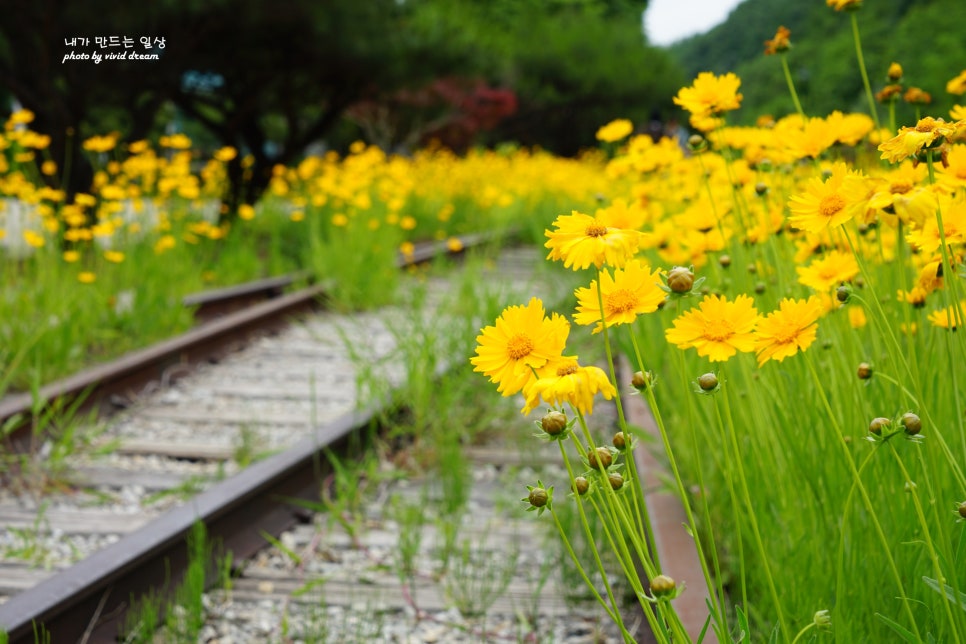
<point x="924" y="36"/>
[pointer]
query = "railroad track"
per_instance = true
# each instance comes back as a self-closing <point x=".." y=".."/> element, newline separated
<point x="291" y="393"/>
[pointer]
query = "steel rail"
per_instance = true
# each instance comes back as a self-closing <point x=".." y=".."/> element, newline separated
<point x="102" y="386"/>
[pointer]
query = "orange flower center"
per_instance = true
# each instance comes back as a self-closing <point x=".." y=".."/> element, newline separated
<point x="621" y="301"/>
<point x="519" y="346"/>
<point x="718" y="330"/>
<point x="596" y="230"/>
<point x="567" y="370"/>
<point x="925" y="125"/>
<point x="830" y="205"/>
<point x="785" y="333"/>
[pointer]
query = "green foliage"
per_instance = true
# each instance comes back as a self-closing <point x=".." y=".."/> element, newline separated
<point x="823" y="60"/>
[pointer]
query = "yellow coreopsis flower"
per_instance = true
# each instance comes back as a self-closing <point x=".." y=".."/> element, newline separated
<point x="947" y="318"/>
<point x="581" y="240"/>
<point x="780" y="43"/>
<point x="829" y="203"/>
<point x="33" y="238"/>
<point x="828" y="272"/>
<point x="718" y="329"/>
<point x="522" y="341"/>
<point x="790" y="329"/>
<point x="615" y="130"/>
<point x="957" y="85"/>
<point x="629" y="293"/>
<point x="710" y="94"/>
<point x="86" y="277"/>
<point x="570" y="383"/>
<point x="928" y="132"/>
<point x="114" y="256"/>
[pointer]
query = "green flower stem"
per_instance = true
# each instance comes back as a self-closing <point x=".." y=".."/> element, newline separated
<point x="620" y="516"/>
<point x="678" y="480"/>
<point x="926" y="536"/>
<point x="641" y="516"/>
<point x="752" y="517"/>
<point x="865" y="74"/>
<point x="896" y="352"/>
<point x="791" y="85"/>
<point x="802" y="632"/>
<point x="580" y="568"/>
<point x="846" y="510"/>
<point x="615" y="615"/>
<point x="720" y="598"/>
<point x="880" y="533"/>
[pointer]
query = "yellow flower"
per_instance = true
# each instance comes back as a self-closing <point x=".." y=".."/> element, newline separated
<point x="842" y="5"/>
<point x="20" y="117"/>
<point x="570" y="383"/>
<point x="166" y="242"/>
<point x="454" y="244"/>
<point x="947" y="318"/>
<point x="581" y="240"/>
<point x="780" y="43"/>
<point x="790" y="329"/>
<point x="225" y="154"/>
<point x="340" y="220"/>
<point x="246" y="212"/>
<point x="297" y="215"/>
<point x="114" y="256"/>
<point x="407" y="223"/>
<point x="71" y="256"/>
<point x="718" y="328"/>
<point x="522" y="340"/>
<point x="710" y="94"/>
<point x="828" y="272"/>
<point x="175" y="141"/>
<point x="957" y="85"/>
<point x="100" y="143"/>
<point x="615" y="130"/>
<point x="34" y="239"/>
<point x="48" y="168"/>
<point x="629" y="293"/>
<point x="857" y="318"/>
<point x="86" y="277"/>
<point x="829" y="203"/>
<point x="928" y="132"/>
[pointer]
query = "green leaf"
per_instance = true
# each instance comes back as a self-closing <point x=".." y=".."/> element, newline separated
<point x="288" y="552"/>
<point x="743" y="630"/>
<point x="903" y="632"/>
<point x="948" y="591"/>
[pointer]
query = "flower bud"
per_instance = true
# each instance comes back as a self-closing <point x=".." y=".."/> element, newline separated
<point x="864" y="371"/>
<point x="843" y="293"/>
<point x="911" y="423"/>
<point x="708" y="381"/>
<point x="616" y="480"/>
<point x="662" y="586"/>
<point x="538" y="497"/>
<point x="600" y="458"/>
<point x="822" y="619"/>
<point x="680" y="279"/>
<point x="620" y="441"/>
<point x="962" y="509"/>
<point x="581" y="485"/>
<point x="554" y="423"/>
<point x="877" y="424"/>
<point x="761" y="188"/>
<point x="697" y="143"/>
<point x="760" y="288"/>
<point x="642" y="380"/>
<point x="725" y="261"/>
<point x="895" y="72"/>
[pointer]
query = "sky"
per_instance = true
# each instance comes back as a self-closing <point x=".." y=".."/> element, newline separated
<point x="667" y="21"/>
